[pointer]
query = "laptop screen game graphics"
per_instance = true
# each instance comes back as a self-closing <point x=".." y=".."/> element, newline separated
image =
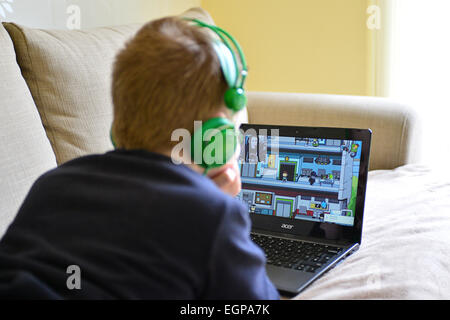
<point x="305" y="178"/>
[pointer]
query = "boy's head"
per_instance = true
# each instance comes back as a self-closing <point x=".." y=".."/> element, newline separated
<point x="167" y="76"/>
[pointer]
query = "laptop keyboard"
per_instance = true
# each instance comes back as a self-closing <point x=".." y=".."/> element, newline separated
<point x="295" y="254"/>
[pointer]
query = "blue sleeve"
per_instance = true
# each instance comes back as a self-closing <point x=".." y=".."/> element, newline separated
<point x="237" y="268"/>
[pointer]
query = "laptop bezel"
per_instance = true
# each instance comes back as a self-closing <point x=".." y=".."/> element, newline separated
<point x="349" y="235"/>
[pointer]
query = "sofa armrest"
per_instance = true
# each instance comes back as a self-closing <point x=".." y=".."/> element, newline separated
<point x="395" y="127"/>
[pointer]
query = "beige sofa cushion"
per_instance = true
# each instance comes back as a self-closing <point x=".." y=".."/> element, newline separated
<point x="405" y="248"/>
<point x="395" y="127"/>
<point x="68" y="73"/>
<point x="25" y="151"/>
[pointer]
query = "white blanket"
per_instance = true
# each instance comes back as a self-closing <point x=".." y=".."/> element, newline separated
<point x="405" y="249"/>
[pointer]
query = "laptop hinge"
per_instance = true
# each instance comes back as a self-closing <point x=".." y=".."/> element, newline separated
<point x="340" y="243"/>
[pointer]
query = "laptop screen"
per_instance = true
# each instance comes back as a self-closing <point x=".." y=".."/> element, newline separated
<point x="294" y="177"/>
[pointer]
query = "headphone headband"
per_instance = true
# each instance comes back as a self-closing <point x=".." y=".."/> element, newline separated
<point x="234" y="98"/>
<point x="226" y="38"/>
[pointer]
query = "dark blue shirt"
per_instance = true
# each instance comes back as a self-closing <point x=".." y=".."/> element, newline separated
<point x="137" y="226"/>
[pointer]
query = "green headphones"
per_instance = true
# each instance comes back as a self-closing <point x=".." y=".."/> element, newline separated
<point x="235" y="100"/>
<point x="220" y="133"/>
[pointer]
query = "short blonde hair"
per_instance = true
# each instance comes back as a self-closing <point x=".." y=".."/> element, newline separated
<point x="167" y="76"/>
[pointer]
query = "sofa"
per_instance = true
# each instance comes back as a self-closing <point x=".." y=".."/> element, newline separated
<point x="55" y="105"/>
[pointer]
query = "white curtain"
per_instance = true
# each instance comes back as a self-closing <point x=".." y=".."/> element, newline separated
<point x="417" y="68"/>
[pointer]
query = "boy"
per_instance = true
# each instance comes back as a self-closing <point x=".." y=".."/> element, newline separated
<point x="130" y="223"/>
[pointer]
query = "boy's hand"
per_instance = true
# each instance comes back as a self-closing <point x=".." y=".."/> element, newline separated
<point x="227" y="178"/>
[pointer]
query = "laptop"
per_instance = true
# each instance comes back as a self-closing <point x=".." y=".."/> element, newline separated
<point x="305" y="190"/>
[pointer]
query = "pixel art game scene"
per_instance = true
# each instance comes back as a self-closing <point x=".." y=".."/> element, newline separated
<point x="300" y="178"/>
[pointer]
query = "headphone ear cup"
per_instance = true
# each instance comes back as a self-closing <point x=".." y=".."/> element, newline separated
<point x="216" y="154"/>
<point x="235" y="99"/>
<point x="220" y="145"/>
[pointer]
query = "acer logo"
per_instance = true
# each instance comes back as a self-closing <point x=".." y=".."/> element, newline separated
<point x="287" y="226"/>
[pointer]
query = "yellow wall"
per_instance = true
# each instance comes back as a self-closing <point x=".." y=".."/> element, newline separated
<point x="152" y="9"/>
<point x="315" y="46"/>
